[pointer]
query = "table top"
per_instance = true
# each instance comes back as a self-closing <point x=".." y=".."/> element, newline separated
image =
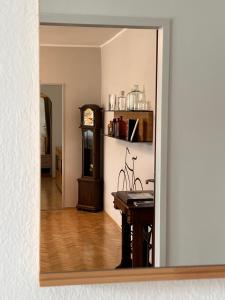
<point x="136" y="199"/>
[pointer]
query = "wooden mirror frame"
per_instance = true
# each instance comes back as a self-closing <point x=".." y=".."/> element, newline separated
<point x="145" y="274"/>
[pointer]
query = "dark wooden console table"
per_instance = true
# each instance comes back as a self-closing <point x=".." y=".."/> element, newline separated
<point x="137" y="228"/>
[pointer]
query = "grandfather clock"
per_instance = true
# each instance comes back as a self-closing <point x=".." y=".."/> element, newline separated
<point x="90" y="185"/>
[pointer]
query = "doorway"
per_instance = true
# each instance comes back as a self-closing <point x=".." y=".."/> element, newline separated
<point x="51" y="128"/>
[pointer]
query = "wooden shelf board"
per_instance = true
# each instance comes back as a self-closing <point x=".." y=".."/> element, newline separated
<point x="121" y="139"/>
<point x="131" y="111"/>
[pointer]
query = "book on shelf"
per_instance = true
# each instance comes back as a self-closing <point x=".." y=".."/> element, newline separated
<point x="130" y="128"/>
<point x="134" y="132"/>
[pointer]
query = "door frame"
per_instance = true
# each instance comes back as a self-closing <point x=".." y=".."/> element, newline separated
<point x="163" y="27"/>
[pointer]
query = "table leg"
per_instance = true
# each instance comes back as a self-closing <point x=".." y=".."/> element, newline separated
<point x="137" y="246"/>
<point x="153" y="246"/>
<point x="126" y="244"/>
<point x="146" y="239"/>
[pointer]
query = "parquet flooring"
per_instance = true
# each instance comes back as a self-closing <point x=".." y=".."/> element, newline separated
<point x="74" y="240"/>
<point x="51" y="197"/>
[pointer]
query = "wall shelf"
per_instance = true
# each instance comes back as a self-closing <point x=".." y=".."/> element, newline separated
<point x="144" y="132"/>
<point x="127" y="111"/>
<point x="122" y="139"/>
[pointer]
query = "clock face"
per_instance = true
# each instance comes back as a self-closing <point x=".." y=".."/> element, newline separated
<point x="89" y="117"/>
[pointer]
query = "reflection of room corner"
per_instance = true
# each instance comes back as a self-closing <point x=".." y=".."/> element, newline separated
<point x="119" y="226"/>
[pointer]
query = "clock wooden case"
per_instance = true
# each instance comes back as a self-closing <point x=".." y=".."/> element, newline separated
<point x="90" y="185"/>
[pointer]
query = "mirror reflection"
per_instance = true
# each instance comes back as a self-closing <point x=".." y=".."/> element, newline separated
<point x="97" y="166"/>
<point x="98" y="135"/>
<point x="51" y="146"/>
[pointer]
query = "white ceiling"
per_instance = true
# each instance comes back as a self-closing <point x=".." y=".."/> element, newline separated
<point x="76" y="36"/>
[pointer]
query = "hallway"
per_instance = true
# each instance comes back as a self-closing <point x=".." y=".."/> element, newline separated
<point x="51" y="197"/>
<point x="74" y="240"/>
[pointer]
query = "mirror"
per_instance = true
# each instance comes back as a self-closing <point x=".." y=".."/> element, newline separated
<point x="112" y="216"/>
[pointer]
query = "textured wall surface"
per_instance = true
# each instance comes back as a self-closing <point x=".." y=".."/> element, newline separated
<point x="19" y="144"/>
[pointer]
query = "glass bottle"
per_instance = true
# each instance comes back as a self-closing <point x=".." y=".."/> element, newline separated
<point x="122" y="128"/>
<point x="142" y="100"/>
<point x="114" y="127"/>
<point x="117" y="124"/>
<point x="112" y="102"/>
<point x="110" y="128"/>
<point x="147" y="105"/>
<point x="122" y="101"/>
<point x="116" y="104"/>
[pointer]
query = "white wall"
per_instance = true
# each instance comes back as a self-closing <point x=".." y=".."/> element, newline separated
<point x="79" y="69"/>
<point x="196" y="131"/>
<point x="127" y="60"/>
<point x="54" y="92"/>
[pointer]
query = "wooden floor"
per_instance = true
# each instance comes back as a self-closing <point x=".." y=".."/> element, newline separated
<point x="51" y="197"/>
<point x="73" y="240"/>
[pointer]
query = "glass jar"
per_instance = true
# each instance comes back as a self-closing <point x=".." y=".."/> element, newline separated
<point x="136" y="99"/>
